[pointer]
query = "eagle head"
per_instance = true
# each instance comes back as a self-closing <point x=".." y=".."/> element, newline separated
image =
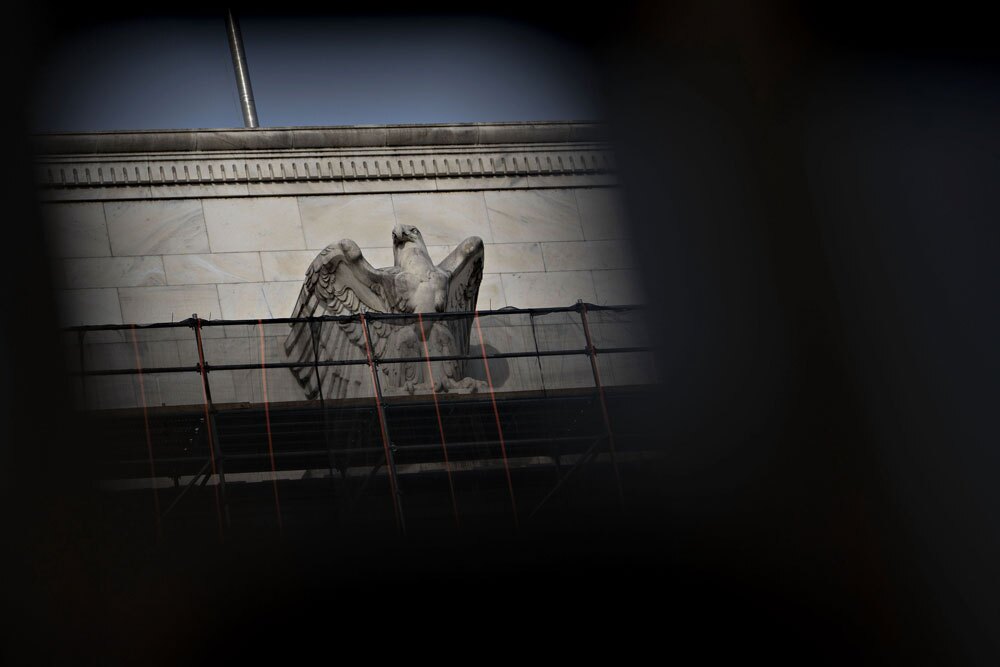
<point x="402" y="234"/>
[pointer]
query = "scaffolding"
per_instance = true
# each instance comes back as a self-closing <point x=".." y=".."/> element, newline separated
<point x="204" y="422"/>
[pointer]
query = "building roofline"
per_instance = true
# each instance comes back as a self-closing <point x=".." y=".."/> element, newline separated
<point x="353" y="136"/>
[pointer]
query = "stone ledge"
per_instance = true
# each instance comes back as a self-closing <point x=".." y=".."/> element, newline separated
<point x="293" y="171"/>
<point x="267" y="139"/>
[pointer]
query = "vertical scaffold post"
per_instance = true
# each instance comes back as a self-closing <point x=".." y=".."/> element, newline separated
<point x="384" y="428"/>
<point x="538" y="357"/>
<point x="592" y="353"/>
<point x="214" y="449"/>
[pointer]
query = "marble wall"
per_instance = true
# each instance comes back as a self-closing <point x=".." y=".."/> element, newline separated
<point x="156" y="260"/>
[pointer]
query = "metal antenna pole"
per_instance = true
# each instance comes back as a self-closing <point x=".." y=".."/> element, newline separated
<point x="240" y="68"/>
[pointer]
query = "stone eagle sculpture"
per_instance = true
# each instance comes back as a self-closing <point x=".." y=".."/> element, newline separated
<point x="341" y="282"/>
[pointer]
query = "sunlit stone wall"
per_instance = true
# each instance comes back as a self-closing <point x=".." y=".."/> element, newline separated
<point x="153" y="227"/>
<point x="148" y="227"/>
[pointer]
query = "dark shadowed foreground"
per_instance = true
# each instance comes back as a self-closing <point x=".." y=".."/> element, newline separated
<point x="817" y="189"/>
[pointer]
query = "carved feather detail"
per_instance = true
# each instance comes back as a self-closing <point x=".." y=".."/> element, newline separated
<point x="339" y="281"/>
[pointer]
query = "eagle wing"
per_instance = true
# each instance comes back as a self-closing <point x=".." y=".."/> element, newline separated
<point x="340" y="281"/>
<point x="465" y="268"/>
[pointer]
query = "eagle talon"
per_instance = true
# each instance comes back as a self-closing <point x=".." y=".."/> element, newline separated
<point x="463" y="386"/>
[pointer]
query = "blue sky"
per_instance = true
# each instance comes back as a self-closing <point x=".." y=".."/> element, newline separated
<point x="177" y="73"/>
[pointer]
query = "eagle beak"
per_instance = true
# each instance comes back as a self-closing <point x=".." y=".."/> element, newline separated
<point x="398" y="234"/>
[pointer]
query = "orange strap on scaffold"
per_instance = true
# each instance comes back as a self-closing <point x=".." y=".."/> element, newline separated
<point x="496" y="414"/>
<point x="382" y="426"/>
<point x="149" y="438"/>
<point x="267" y="421"/>
<point x="437" y="409"/>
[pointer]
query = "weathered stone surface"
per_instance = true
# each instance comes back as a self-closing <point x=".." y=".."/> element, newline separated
<point x="76" y="230"/>
<point x="619" y="329"/>
<point x="491" y="296"/>
<point x="168" y="304"/>
<point x="292" y="264"/>
<point x="296" y="188"/>
<point x="243" y="347"/>
<point x="584" y="255"/>
<point x="563" y="331"/>
<point x="559" y="331"/>
<point x="513" y="215"/>
<point x="88" y="306"/>
<point x="444" y="217"/>
<point x="569" y="372"/>
<point x="523" y="216"/>
<point x="385" y="185"/>
<point x="361" y="218"/>
<point x="213" y="164"/>
<point x="232" y="267"/>
<point x="287" y="264"/>
<point x="380" y="257"/>
<point x="539" y="220"/>
<point x="113" y="272"/>
<point x="120" y="353"/>
<point x="573" y="181"/>
<point x="602" y="213"/>
<point x="319" y="137"/>
<point x="618" y="287"/>
<point x="254" y="223"/>
<point x="156" y="227"/>
<point x="281" y="386"/>
<point x="514" y="257"/>
<point x="480" y="183"/>
<point x="96" y="193"/>
<point x="175" y="191"/>
<point x="555" y="288"/>
<point x="623" y="329"/>
<point x="158" y="353"/>
<point x="507" y="334"/>
<point x="424" y="135"/>
<point x="512" y="133"/>
<point x="370" y="135"/>
<point x="258" y="300"/>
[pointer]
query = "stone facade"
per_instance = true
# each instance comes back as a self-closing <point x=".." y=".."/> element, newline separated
<point x="154" y="226"/>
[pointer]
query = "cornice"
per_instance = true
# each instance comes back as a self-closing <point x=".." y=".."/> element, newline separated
<point x="111" y="173"/>
<point x="355" y="136"/>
